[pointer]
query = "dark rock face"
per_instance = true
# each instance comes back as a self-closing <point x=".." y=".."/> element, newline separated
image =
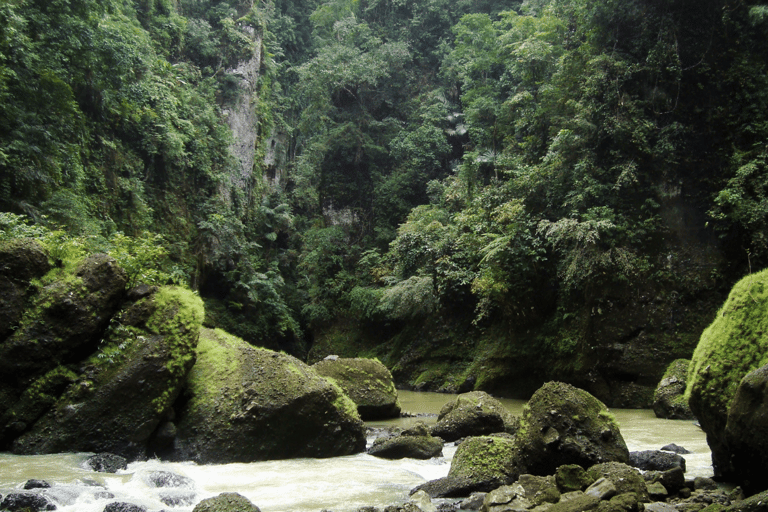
<point x="245" y="404"/>
<point x="127" y="387"/>
<point x="656" y="460"/>
<point x="124" y="507"/>
<point x="473" y="414"/>
<point x="20" y="262"/>
<point x="106" y="463"/>
<point x="414" y="443"/>
<point x="367" y="382"/>
<point x="746" y="433"/>
<point x="226" y="502"/>
<point x="669" y="398"/>
<point x="20" y="501"/>
<point x="566" y="425"/>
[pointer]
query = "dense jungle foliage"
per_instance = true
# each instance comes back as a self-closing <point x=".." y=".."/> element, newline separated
<point x="491" y="161"/>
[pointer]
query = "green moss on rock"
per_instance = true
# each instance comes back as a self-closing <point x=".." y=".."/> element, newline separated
<point x="734" y="344"/>
<point x="245" y="403"/>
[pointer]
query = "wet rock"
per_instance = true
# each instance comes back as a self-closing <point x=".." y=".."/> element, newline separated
<point x="367" y="382"/>
<point x="473" y="414"/>
<point x="669" y="398"/>
<point x="413" y="443"/>
<point x="178" y="499"/>
<point x="106" y="463"/>
<point x="169" y="479"/>
<point x="127" y="387"/>
<point x="672" y="447"/>
<point x="21" y="501"/>
<point x="656" y="460"/>
<point x="746" y="432"/>
<point x="124" y="507"/>
<point x="565" y="425"/>
<point x="36" y="484"/>
<point x="20" y="262"/>
<point x="245" y="404"/>
<point x="226" y="502"/>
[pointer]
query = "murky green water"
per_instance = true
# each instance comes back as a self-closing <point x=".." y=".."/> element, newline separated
<point x="304" y="485"/>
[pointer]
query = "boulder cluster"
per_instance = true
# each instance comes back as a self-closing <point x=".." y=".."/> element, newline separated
<point x="88" y="365"/>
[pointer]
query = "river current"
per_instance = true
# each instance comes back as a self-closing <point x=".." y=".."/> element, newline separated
<point x="340" y="484"/>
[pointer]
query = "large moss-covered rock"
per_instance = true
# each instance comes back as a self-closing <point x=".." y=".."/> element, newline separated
<point x="62" y="323"/>
<point x="245" y="404"/>
<point x="734" y="344"/>
<point x="669" y="400"/>
<point x="473" y="414"/>
<point x="561" y="425"/>
<point x="129" y="385"/>
<point x="366" y="381"/>
<point x="746" y="433"/>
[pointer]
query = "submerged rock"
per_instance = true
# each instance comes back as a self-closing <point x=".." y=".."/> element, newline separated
<point x="226" y="502"/>
<point x="563" y="425"/>
<point x="106" y="463"/>
<point x="669" y="400"/>
<point x="473" y="414"/>
<point x="246" y="404"/>
<point x="367" y="382"/>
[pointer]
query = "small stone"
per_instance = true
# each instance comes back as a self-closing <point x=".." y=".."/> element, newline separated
<point x="602" y="489"/>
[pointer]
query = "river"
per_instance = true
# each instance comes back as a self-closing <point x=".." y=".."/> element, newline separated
<point x="341" y="484"/>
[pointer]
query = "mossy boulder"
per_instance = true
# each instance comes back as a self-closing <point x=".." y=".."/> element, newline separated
<point x="366" y="381"/>
<point x="562" y="424"/>
<point x="226" y="502"/>
<point x="473" y="414"/>
<point x="245" y="404"/>
<point x="21" y="261"/>
<point x="669" y="400"/>
<point x="413" y="443"/>
<point x="65" y="321"/>
<point x="733" y="345"/>
<point x="746" y="433"/>
<point x="127" y="387"/>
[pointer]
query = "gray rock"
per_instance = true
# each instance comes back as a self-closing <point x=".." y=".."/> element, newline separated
<point x="106" y="463"/>
<point x="124" y="507"/>
<point x="602" y="489"/>
<point x="659" y="506"/>
<point x="672" y="447"/>
<point x="24" y="501"/>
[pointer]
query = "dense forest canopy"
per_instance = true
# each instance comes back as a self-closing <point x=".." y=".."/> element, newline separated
<point x="500" y="162"/>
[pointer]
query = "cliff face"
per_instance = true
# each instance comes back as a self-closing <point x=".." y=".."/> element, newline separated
<point x="242" y="118"/>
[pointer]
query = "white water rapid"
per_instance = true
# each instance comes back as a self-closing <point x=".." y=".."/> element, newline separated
<point x="341" y="484"/>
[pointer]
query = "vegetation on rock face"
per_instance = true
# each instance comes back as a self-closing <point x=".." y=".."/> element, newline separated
<point x="469" y="184"/>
